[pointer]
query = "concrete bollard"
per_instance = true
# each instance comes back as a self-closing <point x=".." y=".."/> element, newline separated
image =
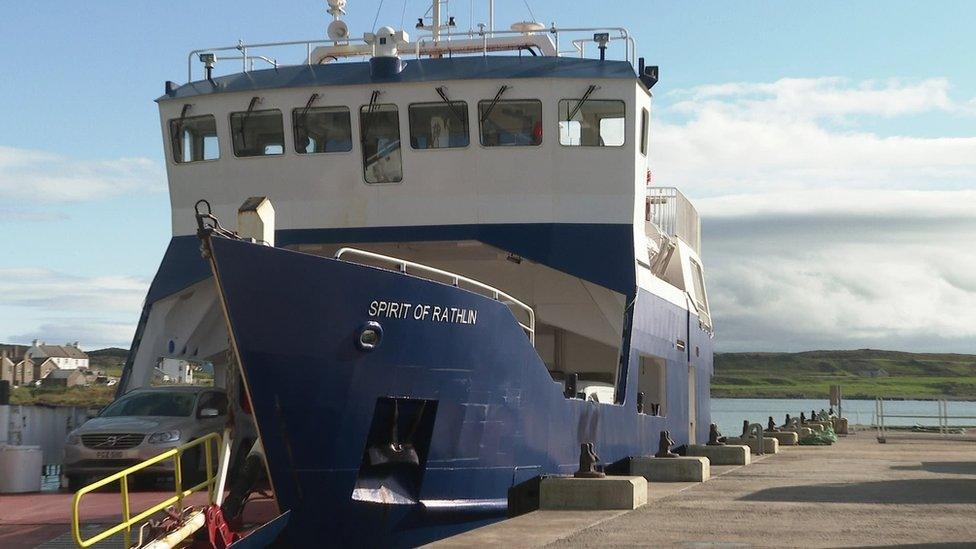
<point x="785" y="438"/>
<point x="592" y="494"/>
<point x="721" y="455"/>
<point x="677" y="469"/>
<point x="769" y="445"/>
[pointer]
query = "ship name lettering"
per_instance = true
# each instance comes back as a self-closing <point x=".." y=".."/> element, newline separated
<point x="422" y="311"/>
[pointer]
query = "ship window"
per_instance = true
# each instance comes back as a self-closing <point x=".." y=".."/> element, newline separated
<point x="322" y="130"/>
<point x="592" y="123"/>
<point x="257" y="133"/>
<point x="380" y="128"/>
<point x="643" y="134"/>
<point x="439" y="125"/>
<point x="698" y="279"/>
<point x="194" y="138"/>
<point x="510" y="123"/>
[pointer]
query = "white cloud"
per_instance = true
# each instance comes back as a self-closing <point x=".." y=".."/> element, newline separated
<point x="804" y="98"/>
<point x="760" y="137"/>
<point x="833" y="200"/>
<point x="806" y="289"/>
<point x="52" y="306"/>
<point x="90" y="333"/>
<point x="820" y="236"/>
<point x="34" y="175"/>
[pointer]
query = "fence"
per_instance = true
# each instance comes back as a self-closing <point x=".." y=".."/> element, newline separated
<point x="44" y="426"/>
<point x="674" y="214"/>
<point x="942" y="417"/>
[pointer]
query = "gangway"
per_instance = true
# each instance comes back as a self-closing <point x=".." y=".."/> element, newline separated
<point x="190" y="521"/>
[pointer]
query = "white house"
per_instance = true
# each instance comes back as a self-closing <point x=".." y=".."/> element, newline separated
<point x="65" y="357"/>
<point x="176" y="370"/>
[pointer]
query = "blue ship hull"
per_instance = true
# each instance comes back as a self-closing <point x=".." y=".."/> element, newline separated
<point x="466" y="392"/>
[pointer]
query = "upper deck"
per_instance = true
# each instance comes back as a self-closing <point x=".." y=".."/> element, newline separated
<point x="498" y="137"/>
<point x="468" y="140"/>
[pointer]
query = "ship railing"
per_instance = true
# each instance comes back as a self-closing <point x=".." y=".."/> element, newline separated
<point x="674" y="215"/>
<point x="459" y="281"/>
<point x="615" y="34"/>
<point x="476" y="41"/>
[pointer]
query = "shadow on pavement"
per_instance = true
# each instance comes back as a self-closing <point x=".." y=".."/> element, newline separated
<point x="945" y="545"/>
<point x="946" y="467"/>
<point x="911" y="491"/>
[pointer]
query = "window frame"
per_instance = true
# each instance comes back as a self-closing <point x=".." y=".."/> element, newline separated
<point x="281" y="118"/>
<point x="294" y="130"/>
<point x="467" y="123"/>
<point x="661" y="365"/>
<point x="542" y="121"/>
<point x="174" y="149"/>
<point x="645" y="123"/>
<point x="560" y="120"/>
<point x="362" y="136"/>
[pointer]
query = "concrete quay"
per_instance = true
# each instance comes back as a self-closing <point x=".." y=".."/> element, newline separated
<point x="917" y="492"/>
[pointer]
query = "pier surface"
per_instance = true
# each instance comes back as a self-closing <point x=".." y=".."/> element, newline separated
<point x="856" y="493"/>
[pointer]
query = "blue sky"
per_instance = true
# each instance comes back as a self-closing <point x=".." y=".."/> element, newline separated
<point x="838" y="97"/>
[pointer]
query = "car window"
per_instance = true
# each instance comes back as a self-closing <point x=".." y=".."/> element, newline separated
<point x="218" y="401"/>
<point x="154" y="403"/>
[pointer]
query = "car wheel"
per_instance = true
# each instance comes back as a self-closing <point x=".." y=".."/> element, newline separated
<point x="192" y="467"/>
<point x="76" y="482"/>
<point x="144" y="481"/>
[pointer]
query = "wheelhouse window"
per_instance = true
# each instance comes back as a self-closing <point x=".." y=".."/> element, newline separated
<point x="507" y="123"/>
<point x="380" y="128"/>
<point x="591" y="123"/>
<point x="643" y="132"/>
<point x="439" y="125"/>
<point x="194" y="138"/>
<point x="322" y="130"/>
<point x="257" y="133"/>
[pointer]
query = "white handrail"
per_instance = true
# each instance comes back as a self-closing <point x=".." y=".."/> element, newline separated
<point x="456" y="279"/>
<point x="349" y="50"/>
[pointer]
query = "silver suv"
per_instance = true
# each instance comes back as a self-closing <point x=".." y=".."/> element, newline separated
<point x="141" y="424"/>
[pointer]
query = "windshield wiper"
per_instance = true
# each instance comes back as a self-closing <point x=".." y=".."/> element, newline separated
<point x="301" y="117"/>
<point x="579" y="104"/>
<point x="369" y="112"/>
<point x="491" y="106"/>
<point x="177" y="136"/>
<point x="250" y="109"/>
<point x="440" y="91"/>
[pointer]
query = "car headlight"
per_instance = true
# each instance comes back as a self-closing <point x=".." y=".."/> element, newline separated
<point x="73" y="440"/>
<point x="165" y="436"/>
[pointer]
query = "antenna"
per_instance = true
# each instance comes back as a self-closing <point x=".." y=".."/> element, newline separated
<point x="338" y="31"/>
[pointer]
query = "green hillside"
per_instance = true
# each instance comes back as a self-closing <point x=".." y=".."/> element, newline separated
<point x="863" y="373"/>
<point x="110" y="360"/>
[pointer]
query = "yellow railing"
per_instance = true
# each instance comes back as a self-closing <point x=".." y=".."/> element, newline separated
<point x="122" y="477"/>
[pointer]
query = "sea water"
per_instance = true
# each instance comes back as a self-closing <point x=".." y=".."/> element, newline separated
<point x="728" y="413"/>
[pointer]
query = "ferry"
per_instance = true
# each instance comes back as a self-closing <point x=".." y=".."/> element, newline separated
<point x="427" y="268"/>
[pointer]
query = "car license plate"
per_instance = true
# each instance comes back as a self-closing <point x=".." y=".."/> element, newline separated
<point x="108" y="454"/>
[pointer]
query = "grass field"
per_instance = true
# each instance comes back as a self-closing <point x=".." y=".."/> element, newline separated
<point x="93" y="397"/>
<point x="862" y="374"/>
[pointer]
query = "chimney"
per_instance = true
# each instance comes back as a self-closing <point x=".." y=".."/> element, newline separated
<point x="75" y="344"/>
<point x="34" y="343"/>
